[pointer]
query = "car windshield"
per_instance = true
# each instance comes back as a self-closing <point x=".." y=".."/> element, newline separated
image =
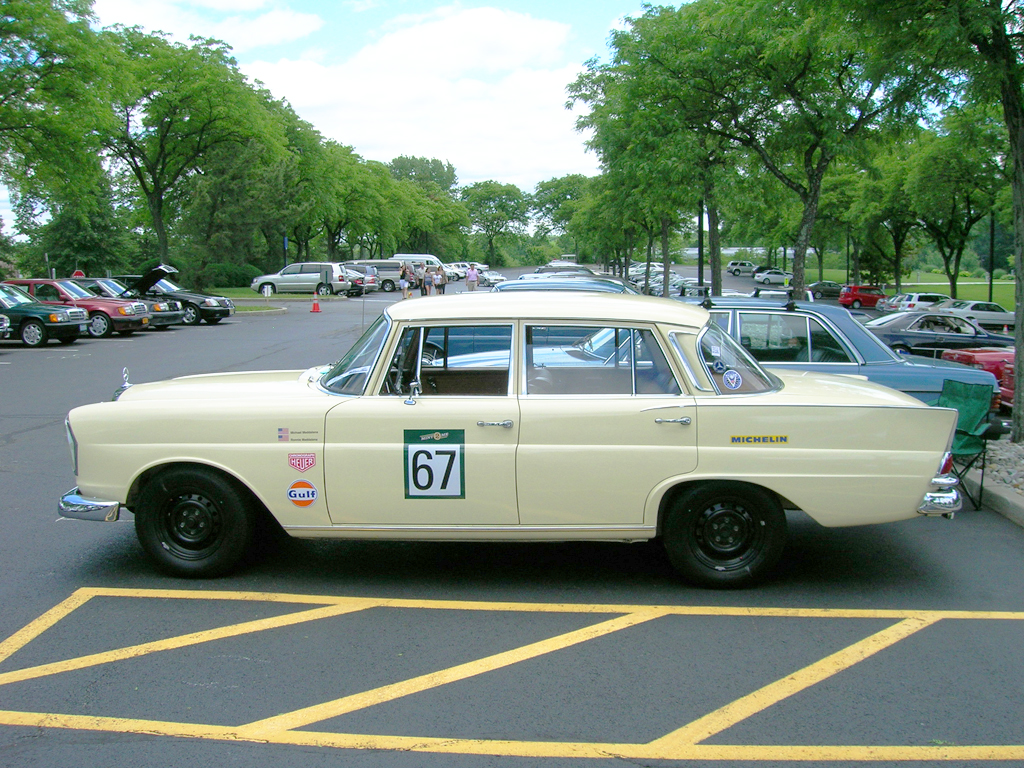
<point x="11" y="297"/>
<point x="883" y="321"/>
<point x="112" y="285"/>
<point x="167" y="286"/>
<point x="75" y="289"/>
<point x="348" y="376"/>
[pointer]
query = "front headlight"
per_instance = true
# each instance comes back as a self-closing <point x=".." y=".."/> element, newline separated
<point x="72" y="445"/>
<point x="126" y="310"/>
<point x="59" y="317"/>
<point x="211" y="303"/>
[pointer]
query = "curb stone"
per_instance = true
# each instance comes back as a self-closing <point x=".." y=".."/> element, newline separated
<point x="1005" y="501"/>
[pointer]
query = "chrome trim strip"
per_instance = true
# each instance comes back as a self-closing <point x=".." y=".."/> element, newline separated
<point x="617" y="529"/>
<point x="72" y="504"/>
<point x="944" y="502"/>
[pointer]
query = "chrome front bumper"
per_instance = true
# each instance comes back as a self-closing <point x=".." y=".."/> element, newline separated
<point x="72" y="504"/>
<point x="945" y="500"/>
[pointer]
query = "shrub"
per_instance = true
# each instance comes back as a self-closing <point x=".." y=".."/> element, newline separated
<point x="230" y="275"/>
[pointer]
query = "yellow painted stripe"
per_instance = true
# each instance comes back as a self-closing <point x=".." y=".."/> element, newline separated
<point x="31" y="631"/>
<point x="761" y="699"/>
<point x="319" y="712"/>
<point x="171" y="643"/>
<point x="615" y="608"/>
<point x="529" y="749"/>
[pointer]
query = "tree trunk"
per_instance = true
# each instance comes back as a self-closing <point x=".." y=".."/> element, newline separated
<point x="664" y="255"/>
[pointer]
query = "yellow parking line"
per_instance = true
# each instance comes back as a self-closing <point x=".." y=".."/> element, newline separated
<point x="319" y="712"/>
<point x="171" y="643"/>
<point x="30" y="632"/>
<point x="759" y="700"/>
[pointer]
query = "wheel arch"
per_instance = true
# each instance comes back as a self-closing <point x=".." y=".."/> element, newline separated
<point x="258" y="507"/>
<point x="676" y="490"/>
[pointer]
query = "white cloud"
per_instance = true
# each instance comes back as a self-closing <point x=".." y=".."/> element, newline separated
<point x="481" y="88"/>
<point x="272" y="28"/>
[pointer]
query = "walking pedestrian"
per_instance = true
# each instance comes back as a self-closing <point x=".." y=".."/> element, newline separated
<point x="472" y="278"/>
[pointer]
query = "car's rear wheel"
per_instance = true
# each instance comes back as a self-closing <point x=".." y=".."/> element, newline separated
<point x="724" y="534"/>
<point x="34" y="334"/>
<point x="194" y="522"/>
<point x="388" y="286"/>
<point x="324" y="290"/>
<point x="817" y="294"/>
<point x="901" y="349"/>
<point x="100" y="326"/>
<point x="856" y="304"/>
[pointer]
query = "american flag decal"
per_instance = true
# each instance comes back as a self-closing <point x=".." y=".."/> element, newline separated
<point x="282" y="434"/>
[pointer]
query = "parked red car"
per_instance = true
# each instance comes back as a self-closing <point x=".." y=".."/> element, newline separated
<point x="857" y="296"/>
<point x="991" y="359"/>
<point x="105" y="315"/>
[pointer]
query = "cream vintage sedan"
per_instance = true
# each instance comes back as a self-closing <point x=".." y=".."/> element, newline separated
<point x="515" y="417"/>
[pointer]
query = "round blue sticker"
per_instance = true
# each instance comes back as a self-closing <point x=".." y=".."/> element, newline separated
<point x="732" y="380"/>
<point x="718" y="367"/>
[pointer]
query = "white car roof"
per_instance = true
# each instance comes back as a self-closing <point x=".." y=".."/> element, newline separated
<point x="610" y="308"/>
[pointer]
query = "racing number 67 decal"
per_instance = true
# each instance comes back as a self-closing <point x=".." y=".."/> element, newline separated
<point x="434" y="467"/>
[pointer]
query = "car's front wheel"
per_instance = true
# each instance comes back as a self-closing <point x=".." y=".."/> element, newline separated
<point x="267" y="290"/>
<point x="100" y="325"/>
<point x="724" y="534"/>
<point x="817" y="294"/>
<point x="191" y="316"/>
<point x="34" y="334"/>
<point x="194" y="522"/>
<point x="901" y="349"/>
<point x="856" y="304"/>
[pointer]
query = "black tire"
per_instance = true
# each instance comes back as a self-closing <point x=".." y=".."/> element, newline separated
<point x="324" y="290"/>
<point x="856" y="304"/>
<point x="817" y="294"/>
<point x="100" y="326"/>
<point x="125" y="333"/>
<point x="214" y="320"/>
<point x="194" y="522"/>
<point x="735" y="273"/>
<point x="388" y="286"/>
<point x="724" y="534"/>
<point x="34" y="334"/>
<point x="901" y="349"/>
<point x="192" y="315"/>
<point x="766" y="281"/>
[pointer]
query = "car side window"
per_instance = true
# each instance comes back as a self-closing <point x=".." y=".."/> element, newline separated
<point x="774" y="338"/>
<point x="46" y="292"/>
<point x="582" y="360"/>
<point x="458" y="360"/>
<point x="824" y="346"/>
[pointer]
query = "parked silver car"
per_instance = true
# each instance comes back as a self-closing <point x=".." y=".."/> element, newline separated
<point x="321" y="277"/>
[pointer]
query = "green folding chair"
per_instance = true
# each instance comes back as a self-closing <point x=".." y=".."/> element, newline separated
<point x="973" y="430"/>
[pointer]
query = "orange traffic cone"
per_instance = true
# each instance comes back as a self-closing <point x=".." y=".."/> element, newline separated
<point x="1006" y="330"/>
<point x="316" y="304"/>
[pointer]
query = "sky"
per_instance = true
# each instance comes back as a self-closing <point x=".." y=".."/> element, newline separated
<point x="482" y="86"/>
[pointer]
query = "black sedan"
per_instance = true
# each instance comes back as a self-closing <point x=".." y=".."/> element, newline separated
<point x="825" y="289"/>
<point x="929" y="333"/>
<point x="197" y="306"/>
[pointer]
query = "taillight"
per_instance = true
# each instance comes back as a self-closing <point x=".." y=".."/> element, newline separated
<point x="997" y="401"/>
<point x="947" y="464"/>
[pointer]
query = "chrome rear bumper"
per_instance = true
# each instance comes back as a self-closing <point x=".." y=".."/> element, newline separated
<point x="74" y="505"/>
<point x="945" y="500"/>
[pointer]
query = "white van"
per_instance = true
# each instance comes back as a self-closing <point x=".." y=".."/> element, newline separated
<point x="428" y="260"/>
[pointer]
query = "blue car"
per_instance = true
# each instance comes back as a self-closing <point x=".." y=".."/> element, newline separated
<point x="931" y="333"/>
<point x="821" y="337"/>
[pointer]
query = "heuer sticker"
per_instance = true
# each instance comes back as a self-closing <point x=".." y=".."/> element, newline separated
<point x="434" y="464"/>
<point x="302" y="493"/>
<point x="301" y="461"/>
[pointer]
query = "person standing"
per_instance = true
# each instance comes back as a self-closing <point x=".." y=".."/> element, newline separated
<point x="428" y="281"/>
<point x="403" y="281"/>
<point x="421" y="278"/>
<point x="440" y="281"/>
<point x="472" y="278"/>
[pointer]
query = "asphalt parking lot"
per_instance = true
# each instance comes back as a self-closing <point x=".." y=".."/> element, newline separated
<point x="892" y="644"/>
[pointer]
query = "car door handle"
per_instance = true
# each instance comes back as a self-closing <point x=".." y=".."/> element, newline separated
<point x="685" y="420"/>
<point x="507" y="423"/>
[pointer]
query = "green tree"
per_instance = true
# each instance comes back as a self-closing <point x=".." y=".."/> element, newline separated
<point x="53" y="86"/>
<point x="425" y="171"/>
<point x="954" y="179"/>
<point x="173" y="104"/>
<point x="496" y="210"/>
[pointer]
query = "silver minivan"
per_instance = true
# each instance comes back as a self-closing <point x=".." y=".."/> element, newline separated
<point x="321" y="277"/>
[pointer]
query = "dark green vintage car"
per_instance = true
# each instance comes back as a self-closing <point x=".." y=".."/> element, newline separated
<point x="35" y="323"/>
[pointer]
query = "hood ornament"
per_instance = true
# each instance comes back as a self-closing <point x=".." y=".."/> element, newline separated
<point x="124" y="386"/>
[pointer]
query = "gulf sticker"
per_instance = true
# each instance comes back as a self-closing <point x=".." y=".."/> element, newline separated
<point x="302" y="493"/>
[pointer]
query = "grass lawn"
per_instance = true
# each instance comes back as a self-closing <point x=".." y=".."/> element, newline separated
<point x="972" y="288"/>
